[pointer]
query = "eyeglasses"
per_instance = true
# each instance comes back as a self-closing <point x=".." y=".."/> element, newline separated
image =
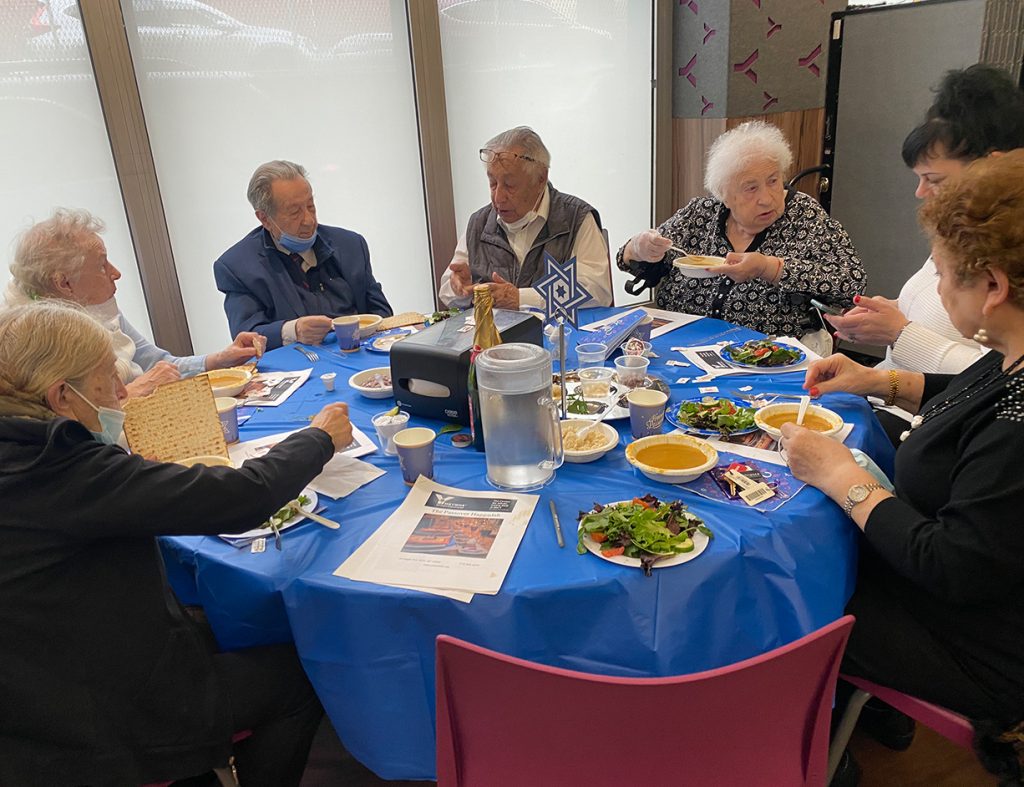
<point x="487" y="155"/>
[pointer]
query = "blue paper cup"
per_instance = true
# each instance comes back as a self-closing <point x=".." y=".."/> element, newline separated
<point x="227" y="412"/>
<point x="646" y="411"/>
<point x="415" y="448"/>
<point x="347" y="330"/>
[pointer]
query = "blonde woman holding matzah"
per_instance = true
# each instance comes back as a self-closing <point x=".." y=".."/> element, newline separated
<point x="103" y="678"/>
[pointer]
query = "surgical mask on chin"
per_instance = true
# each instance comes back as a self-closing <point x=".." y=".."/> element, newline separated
<point x="517" y="226"/>
<point x="111" y="421"/>
<point x="294" y="243"/>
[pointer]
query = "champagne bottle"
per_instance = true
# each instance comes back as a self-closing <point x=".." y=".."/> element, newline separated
<point x="484" y="337"/>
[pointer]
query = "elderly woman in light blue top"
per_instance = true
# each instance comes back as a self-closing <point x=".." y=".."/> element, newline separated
<point x="64" y="257"/>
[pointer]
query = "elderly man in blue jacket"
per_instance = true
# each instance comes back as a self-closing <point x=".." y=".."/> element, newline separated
<point x="289" y="277"/>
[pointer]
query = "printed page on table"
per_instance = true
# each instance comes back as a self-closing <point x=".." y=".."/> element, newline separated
<point x="250" y="449"/>
<point x="451" y="539"/>
<point x="269" y="389"/>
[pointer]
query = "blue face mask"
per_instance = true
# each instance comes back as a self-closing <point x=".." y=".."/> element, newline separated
<point x="111" y="421"/>
<point x="293" y="243"/>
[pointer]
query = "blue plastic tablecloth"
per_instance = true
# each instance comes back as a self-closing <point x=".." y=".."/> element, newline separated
<point x="765" y="579"/>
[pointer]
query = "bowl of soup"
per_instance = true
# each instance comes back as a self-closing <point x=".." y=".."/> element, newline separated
<point x="771" y="418"/>
<point x="672" y="458"/>
<point x="368" y="324"/>
<point x="228" y="382"/>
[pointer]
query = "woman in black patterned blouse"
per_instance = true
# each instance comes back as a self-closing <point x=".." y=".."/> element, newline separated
<point x="782" y="248"/>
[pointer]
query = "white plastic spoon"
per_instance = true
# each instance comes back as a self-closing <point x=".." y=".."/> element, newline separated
<point x="804" y="403"/>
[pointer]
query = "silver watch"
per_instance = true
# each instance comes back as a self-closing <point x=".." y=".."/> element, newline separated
<point x="858" y="493"/>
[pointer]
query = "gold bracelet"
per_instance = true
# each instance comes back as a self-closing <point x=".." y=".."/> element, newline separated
<point x="894" y="388"/>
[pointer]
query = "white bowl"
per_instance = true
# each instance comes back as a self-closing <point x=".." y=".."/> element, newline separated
<point x="690" y="266"/>
<point x="228" y="382"/>
<point x="368" y="324"/>
<point x="359" y="382"/>
<point x="672" y="476"/>
<point x="590" y="454"/>
<point x="835" y="421"/>
<point x="209" y="461"/>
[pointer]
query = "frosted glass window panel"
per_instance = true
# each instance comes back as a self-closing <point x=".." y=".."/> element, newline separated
<point x="579" y="74"/>
<point x="229" y="84"/>
<point x="56" y="152"/>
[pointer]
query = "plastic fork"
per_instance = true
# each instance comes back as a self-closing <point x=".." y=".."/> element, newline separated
<point x="310" y="355"/>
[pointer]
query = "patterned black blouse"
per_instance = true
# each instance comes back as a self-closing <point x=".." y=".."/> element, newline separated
<point x="820" y="262"/>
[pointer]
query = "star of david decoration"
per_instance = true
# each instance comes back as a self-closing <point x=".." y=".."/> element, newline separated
<point x="561" y="290"/>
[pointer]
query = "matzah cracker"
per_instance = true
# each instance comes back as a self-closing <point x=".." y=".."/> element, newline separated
<point x="176" y="421"/>
<point x="400" y="321"/>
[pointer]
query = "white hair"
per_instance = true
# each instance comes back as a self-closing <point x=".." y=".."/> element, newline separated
<point x="733" y="153"/>
<point x="529" y="143"/>
<point x="260" y="192"/>
<point x="53" y="246"/>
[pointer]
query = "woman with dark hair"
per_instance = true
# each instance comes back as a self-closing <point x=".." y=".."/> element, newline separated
<point x="938" y="600"/>
<point x="977" y="111"/>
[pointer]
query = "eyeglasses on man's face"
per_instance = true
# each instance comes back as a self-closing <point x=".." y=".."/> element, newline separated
<point x="487" y="156"/>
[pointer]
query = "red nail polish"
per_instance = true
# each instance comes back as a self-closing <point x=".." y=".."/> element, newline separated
<point x="856" y="299"/>
<point x="814" y="391"/>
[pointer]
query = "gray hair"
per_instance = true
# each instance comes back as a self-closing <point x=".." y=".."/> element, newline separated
<point x="43" y="343"/>
<point x="260" y="184"/>
<point x="529" y="142"/>
<point x="733" y="152"/>
<point x="56" y="245"/>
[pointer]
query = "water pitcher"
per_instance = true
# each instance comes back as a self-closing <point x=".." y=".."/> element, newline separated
<point x="522" y="434"/>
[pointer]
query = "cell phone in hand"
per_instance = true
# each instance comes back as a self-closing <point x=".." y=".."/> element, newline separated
<point x="827" y="308"/>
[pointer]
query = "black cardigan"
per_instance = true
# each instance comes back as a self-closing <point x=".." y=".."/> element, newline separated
<point x="103" y="679"/>
<point x="953" y="537"/>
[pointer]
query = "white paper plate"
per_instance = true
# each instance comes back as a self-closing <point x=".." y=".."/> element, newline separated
<point x="266" y="532"/>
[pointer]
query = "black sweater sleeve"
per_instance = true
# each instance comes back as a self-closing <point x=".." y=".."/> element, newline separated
<point x="972" y="550"/>
<point x="129" y="495"/>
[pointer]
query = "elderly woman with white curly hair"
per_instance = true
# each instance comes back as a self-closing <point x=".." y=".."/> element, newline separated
<point x="782" y="249"/>
<point x="63" y="257"/>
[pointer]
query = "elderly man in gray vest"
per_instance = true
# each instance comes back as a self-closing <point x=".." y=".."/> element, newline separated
<point x="505" y="241"/>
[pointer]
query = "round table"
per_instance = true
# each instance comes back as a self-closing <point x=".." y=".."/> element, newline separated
<point x="765" y="579"/>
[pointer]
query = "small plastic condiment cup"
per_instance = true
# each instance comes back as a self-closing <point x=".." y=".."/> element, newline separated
<point x="596" y="382"/>
<point x="631" y="370"/>
<point x="387" y="426"/>
<point x="328" y="380"/>
<point x="590" y="354"/>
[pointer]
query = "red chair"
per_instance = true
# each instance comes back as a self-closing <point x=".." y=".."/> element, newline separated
<point x="949" y="725"/>
<point x="763" y="721"/>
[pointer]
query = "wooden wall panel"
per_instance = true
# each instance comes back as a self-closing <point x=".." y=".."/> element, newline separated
<point x="692" y="137"/>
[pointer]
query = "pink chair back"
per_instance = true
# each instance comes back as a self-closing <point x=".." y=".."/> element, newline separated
<point x="951" y="726"/>
<point x="763" y="721"/>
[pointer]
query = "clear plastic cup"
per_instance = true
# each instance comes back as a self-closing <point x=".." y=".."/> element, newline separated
<point x="387" y="426"/>
<point x="631" y="370"/>
<point x="590" y="354"/>
<point x="596" y="382"/>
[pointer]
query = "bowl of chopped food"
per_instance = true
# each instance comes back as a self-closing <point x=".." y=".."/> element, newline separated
<point x="712" y="416"/>
<point x="368" y="324"/>
<point x="672" y="458"/>
<point x="763" y="354"/>
<point x="817" y="418"/>
<point x="228" y="382"/>
<point x="592" y="446"/>
<point x="644" y="532"/>
<point x="373" y="383"/>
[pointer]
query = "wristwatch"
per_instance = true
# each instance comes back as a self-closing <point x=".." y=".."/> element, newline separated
<point x="858" y="493"/>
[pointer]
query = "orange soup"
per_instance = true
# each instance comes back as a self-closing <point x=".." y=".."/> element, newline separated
<point x="671" y="456"/>
<point x="811" y="421"/>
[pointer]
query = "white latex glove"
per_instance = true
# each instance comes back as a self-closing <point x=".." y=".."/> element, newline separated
<point x="649" y="246"/>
